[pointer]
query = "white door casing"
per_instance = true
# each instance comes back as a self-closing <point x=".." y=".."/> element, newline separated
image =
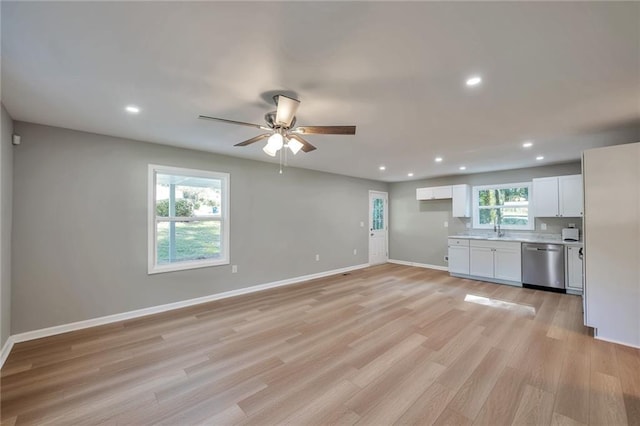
<point x="378" y="227"/>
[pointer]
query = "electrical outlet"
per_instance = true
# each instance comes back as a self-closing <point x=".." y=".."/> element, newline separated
<point x="234" y="269"/>
<point x="361" y="224"/>
<point x="446" y="224"/>
<point x="467" y="225"/>
<point x="543" y="226"/>
<point x="355" y="251"/>
<point x="317" y="257"/>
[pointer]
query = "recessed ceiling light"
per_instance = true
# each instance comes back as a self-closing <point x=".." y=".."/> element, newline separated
<point x="527" y="144"/>
<point x="463" y="167"/>
<point x="474" y="81"/>
<point x="438" y="159"/>
<point x="410" y="174"/>
<point x="539" y="157"/>
<point x="383" y="168"/>
<point x="132" y="109"/>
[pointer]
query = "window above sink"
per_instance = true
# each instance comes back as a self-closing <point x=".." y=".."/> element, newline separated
<point x="507" y="205"/>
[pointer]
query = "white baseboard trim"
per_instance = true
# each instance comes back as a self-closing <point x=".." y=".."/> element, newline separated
<point x="616" y="342"/>
<point x="6" y="349"/>
<point x="79" y="325"/>
<point x="419" y="265"/>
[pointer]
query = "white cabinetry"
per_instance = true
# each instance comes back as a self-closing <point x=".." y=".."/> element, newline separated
<point x="570" y="194"/>
<point x="498" y="260"/>
<point x="558" y="196"/>
<point x="481" y="263"/>
<point x="574" y="268"/>
<point x="508" y="262"/>
<point x="458" y="254"/>
<point x="461" y="204"/>
<point x="545" y="197"/>
<point x="434" y="193"/>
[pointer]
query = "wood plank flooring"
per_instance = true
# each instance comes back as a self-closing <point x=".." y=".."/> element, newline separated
<point x="388" y="344"/>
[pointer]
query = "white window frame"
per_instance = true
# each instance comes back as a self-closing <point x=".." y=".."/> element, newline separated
<point x="476" y="208"/>
<point x="225" y="223"/>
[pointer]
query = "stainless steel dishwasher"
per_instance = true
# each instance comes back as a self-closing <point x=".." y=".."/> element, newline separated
<point x="543" y="265"/>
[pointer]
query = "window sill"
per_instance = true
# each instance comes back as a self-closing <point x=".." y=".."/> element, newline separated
<point x="185" y="266"/>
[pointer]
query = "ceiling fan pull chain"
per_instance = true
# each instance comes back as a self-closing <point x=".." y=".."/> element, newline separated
<point x="281" y="160"/>
<point x="285" y="148"/>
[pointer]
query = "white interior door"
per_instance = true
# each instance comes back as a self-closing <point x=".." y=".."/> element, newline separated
<point x="378" y="228"/>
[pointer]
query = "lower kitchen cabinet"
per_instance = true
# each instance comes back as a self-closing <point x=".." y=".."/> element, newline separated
<point x="458" y="254"/>
<point x="508" y="263"/>
<point x="496" y="260"/>
<point x="574" y="276"/>
<point x="481" y="262"/>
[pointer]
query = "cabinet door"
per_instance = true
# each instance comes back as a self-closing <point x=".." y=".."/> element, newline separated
<point x="424" y="193"/>
<point x="508" y="264"/>
<point x="545" y="197"/>
<point x="481" y="262"/>
<point x="461" y="204"/>
<point x="570" y="193"/>
<point x="442" y="192"/>
<point x="459" y="260"/>
<point x="574" y="268"/>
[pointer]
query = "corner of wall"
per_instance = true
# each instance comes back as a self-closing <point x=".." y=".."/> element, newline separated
<point x="6" y="207"/>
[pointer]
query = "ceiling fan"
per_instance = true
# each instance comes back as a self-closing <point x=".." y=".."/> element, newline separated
<point x="281" y="131"/>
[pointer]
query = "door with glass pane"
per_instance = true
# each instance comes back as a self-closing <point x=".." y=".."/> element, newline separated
<point x="378" y="229"/>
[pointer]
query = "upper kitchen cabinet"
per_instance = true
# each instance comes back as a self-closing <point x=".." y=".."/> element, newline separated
<point x="461" y="204"/>
<point x="558" y="196"/>
<point x="570" y="191"/>
<point x="433" y="193"/>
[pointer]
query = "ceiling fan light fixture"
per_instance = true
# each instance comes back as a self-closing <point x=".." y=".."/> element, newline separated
<point x="294" y="146"/>
<point x="275" y="141"/>
<point x="270" y="150"/>
<point x="286" y="110"/>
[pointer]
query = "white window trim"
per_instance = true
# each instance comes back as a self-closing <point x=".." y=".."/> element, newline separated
<point x="476" y="216"/>
<point x="152" y="267"/>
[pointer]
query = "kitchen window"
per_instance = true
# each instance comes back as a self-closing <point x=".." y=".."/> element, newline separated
<point x="188" y="219"/>
<point x="506" y="205"/>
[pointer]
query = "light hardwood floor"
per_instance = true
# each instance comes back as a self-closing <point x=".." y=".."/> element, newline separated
<point x="383" y="345"/>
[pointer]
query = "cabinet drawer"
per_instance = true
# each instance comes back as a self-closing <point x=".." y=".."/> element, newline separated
<point x="458" y="242"/>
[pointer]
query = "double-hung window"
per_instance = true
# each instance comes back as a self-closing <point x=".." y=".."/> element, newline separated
<point x="506" y="205"/>
<point x="188" y="219"/>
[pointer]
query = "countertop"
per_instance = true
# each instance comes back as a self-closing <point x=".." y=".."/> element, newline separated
<point x="545" y="239"/>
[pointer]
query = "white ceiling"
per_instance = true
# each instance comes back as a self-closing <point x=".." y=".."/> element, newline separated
<point x="566" y="75"/>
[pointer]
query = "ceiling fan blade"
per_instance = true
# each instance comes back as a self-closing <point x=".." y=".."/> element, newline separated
<point x="253" y="140"/>
<point x="307" y="146"/>
<point x="325" y="130"/>
<point x="286" y="110"/>
<point x="241" y="123"/>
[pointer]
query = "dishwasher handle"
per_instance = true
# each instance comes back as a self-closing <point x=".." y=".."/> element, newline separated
<point x="540" y="249"/>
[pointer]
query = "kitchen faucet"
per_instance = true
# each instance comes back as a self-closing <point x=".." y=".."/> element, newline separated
<point x="496" y="228"/>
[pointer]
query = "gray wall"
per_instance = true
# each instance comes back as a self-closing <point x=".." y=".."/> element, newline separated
<point x="417" y="232"/>
<point x="6" y="188"/>
<point x="80" y="226"/>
